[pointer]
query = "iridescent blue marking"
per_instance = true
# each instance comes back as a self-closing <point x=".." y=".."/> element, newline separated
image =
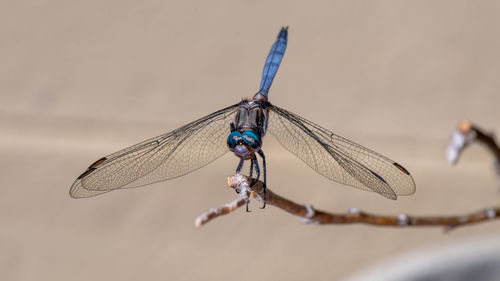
<point x="251" y="139"/>
<point x="233" y="139"/>
<point x="273" y="61"/>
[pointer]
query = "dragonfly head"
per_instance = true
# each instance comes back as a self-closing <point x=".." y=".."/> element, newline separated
<point x="244" y="144"/>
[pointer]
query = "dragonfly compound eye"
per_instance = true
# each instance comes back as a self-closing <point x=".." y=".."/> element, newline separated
<point x="233" y="140"/>
<point x="251" y="139"/>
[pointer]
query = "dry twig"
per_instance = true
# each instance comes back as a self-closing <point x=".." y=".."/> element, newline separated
<point x="353" y="215"/>
<point x="242" y="187"/>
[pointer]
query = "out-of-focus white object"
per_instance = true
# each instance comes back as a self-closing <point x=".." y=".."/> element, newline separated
<point x="460" y="260"/>
<point x="460" y="138"/>
<point x="456" y="145"/>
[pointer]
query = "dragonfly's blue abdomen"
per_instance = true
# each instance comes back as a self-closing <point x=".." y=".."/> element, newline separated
<point x="273" y="61"/>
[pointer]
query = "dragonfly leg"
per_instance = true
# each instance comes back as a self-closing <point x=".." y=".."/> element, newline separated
<point x="240" y="166"/>
<point x="238" y="169"/>
<point x="251" y="173"/>
<point x="257" y="170"/>
<point x="254" y="164"/>
<point x="261" y="153"/>
<point x="251" y="168"/>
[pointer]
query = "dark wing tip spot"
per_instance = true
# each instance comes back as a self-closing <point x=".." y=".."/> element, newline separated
<point x="88" y="171"/>
<point x="97" y="163"/>
<point x="92" y="168"/>
<point x="401" y="168"/>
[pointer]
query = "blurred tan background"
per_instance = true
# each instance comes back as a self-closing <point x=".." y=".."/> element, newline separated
<point x="80" y="80"/>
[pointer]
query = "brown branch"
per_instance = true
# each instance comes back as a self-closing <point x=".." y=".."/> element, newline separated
<point x="489" y="142"/>
<point x="462" y="137"/>
<point x="310" y="215"/>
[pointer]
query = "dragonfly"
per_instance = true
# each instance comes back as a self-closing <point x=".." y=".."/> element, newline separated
<point x="240" y="128"/>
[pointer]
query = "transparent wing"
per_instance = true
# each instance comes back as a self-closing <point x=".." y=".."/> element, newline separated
<point x="161" y="158"/>
<point x="337" y="158"/>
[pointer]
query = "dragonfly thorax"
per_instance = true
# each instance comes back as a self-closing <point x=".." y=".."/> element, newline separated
<point x="250" y="124"/>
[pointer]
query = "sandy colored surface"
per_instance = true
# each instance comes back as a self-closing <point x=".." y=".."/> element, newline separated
<point x="80" y="80"/>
